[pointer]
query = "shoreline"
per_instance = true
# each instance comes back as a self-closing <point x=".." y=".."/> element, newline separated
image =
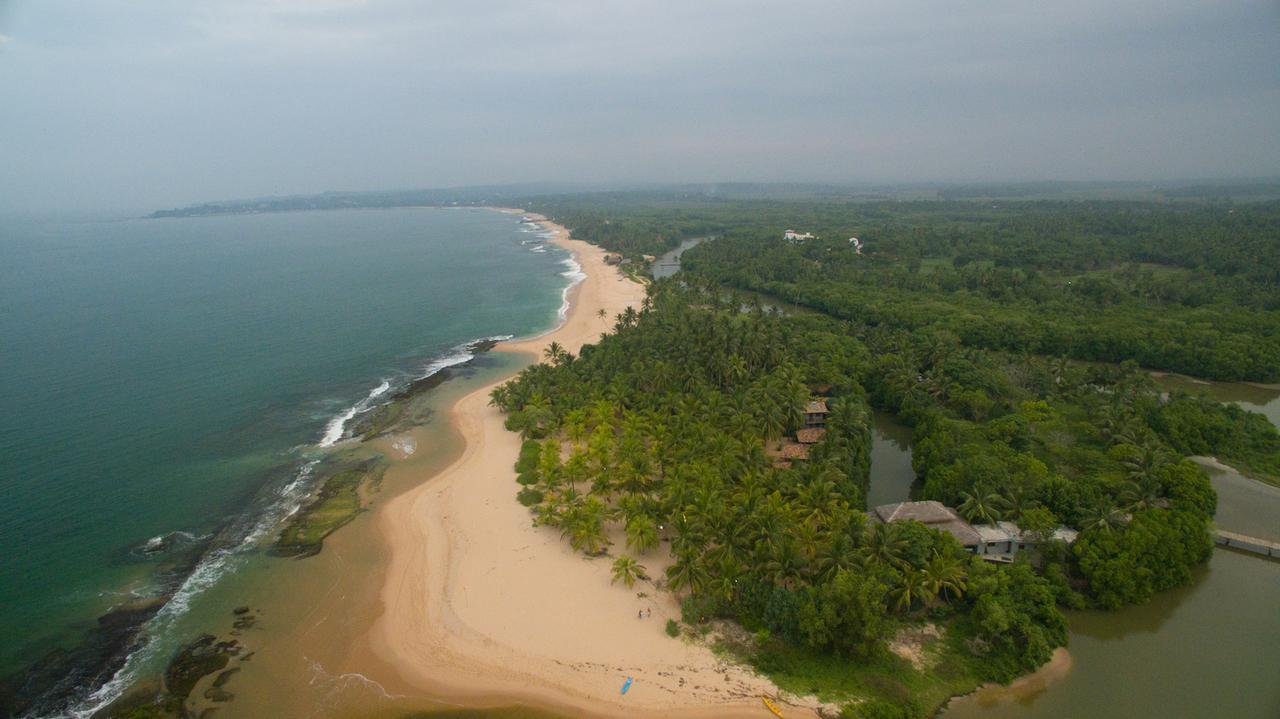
<point x="481" y="609"/>
<point x="1023" y="688"/>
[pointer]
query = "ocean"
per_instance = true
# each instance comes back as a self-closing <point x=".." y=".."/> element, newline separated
<point x="166" y="382"/>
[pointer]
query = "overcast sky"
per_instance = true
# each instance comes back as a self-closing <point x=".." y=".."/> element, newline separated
<point x="155" y="103"/>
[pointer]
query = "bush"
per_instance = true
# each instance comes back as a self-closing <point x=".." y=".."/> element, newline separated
<point x="528" y="460"/>
<point x="696" y="609"/>
<point x="876" y="709"/>
<point x="529" y="496"/>
<point x="673" y="628"/>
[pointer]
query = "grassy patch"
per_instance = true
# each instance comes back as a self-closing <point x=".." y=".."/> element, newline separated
<point x="338" y="502"/>
<point x="887" y="678"/>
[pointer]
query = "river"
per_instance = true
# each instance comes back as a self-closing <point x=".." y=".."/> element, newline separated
<point x="1208" y="650"/>
<point x="669" y="263"/>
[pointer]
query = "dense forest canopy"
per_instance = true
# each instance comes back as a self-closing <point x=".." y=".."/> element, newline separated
<point x="661" y="444"/>
<point x="1189" y="288"/>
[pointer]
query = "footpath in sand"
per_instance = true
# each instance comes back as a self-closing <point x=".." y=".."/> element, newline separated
<point x="482" y="608"/>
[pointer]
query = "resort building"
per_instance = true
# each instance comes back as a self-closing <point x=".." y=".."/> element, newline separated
<point x="812" y="435"/>
<point x="999" y="542"/>
<point x="857" y="245"/>
<point x="796" y="238"/>
<point x="1003" y="540"/>
<point x="815" y="413"/>
<point x="934" y="515"/>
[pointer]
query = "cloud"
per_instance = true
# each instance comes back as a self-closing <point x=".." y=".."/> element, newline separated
<point x="155" y="103"/>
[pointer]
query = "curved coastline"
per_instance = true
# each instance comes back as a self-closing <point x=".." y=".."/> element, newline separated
<point x="480" y="608"/>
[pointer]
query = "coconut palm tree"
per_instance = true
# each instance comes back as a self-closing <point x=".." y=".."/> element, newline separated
<point x="885" y="544"/>
<point x="1103" y="517"/>
<point x="688" y="573"/>
<point x="556" y="354"/>
<point x="982" y="506"/>
<point x="944" y="576"/>
<point x="1137" y="495"/>
<point x="627" y="570"/>
<point x="642" y="533"/>
<point x="909" y="589"/>
<point x="1144" y="464"/>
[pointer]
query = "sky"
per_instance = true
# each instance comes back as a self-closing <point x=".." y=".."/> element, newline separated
<point x="160" y="103"/>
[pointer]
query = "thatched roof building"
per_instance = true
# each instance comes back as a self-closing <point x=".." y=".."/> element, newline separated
<point x="811" y="435"/>
<point x="932" y="514"/>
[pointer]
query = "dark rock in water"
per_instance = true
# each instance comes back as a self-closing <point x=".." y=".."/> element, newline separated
<point x="193" y="662"/>
<point x="53" y="683"/>
<point x="225" y="676"/>
<point x="214" y="694"/>
<point x="481" y="346"/>
<point x="240" y="610"/>
<point x="245" y="622"/>
<point x="232" y="647"/>
<point x="143" y="703"/>
<point x="247" y="657"/>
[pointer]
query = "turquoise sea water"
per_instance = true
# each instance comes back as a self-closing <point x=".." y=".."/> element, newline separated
<point x="165" y="376"/>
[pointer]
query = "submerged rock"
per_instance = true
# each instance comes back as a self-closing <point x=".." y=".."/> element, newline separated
<point x="193" y="662"/>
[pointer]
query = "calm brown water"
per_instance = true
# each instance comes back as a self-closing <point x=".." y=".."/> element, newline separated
<point x="891" y="472"/>
<point x="1208" y="650"/>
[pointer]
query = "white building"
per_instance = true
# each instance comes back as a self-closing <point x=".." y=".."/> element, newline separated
<point x="796" y="238"/>
<point x="857" y="244"/>
<point x="1002" y="540"/>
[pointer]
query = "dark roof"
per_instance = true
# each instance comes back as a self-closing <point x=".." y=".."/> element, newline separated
<point x="933" y="514"/>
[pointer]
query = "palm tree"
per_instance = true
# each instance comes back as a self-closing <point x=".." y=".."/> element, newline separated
<point x="909" y="588"/>
<point x="627" y="570"/>
<point x="642" y="533"/>
<point x="1104" y="517"/>
<point x="735" y="369"/>
<point x="1141" y="494"/>
<point x="982" y="506"/>
<point x="1144" y="465"/>
<point x="885" y="544"/>
<point x="556" y="354"/>
<point x="945" y="575"/>
<point x="687" y="573"/>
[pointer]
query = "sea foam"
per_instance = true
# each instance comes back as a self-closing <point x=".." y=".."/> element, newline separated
<point x="576" y="276"/>
<point x="333" y="431"/>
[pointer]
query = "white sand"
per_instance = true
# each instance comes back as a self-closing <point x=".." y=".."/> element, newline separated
<point x="482" y="608"/>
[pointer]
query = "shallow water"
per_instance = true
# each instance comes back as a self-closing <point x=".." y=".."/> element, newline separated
<point x="159" y="374"/>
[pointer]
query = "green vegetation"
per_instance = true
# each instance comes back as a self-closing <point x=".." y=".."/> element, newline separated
<point x="1185" y="288"/>
<point x="662" y="429"/>
<point x="1200" y="426"/>
<point x="962" y="320"/>
<point x="338" y="501"/>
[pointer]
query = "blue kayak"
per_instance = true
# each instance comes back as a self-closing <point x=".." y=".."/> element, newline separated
<point x="626" y="685"/>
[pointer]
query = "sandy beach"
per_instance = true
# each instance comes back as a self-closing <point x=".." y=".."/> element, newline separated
<point x="481" y="608"/>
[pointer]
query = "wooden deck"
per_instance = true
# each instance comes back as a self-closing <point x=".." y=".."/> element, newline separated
<point x="1244" y="543"/>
